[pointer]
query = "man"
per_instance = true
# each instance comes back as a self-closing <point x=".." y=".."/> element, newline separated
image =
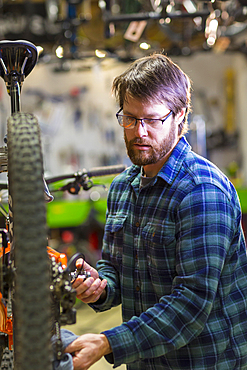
<point x="174" y="254"/>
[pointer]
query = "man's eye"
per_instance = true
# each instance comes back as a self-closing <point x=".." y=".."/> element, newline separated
<point x="129" y="120"/>
<point x="150" y="121"/>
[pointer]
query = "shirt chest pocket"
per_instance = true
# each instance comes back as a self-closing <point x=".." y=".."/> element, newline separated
<point x="113" y="238"/>
<point x="160" y="244"/>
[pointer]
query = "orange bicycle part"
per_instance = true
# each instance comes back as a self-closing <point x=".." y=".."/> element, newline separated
<point x="6" y="323"/>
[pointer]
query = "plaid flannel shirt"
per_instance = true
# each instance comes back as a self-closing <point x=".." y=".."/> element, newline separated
<point x="174" y="256"/>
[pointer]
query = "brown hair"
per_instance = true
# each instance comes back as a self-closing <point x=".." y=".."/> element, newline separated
<point x="156" y="78"/>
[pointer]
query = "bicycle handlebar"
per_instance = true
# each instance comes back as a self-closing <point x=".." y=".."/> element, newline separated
<point x="93" y="172"/>
<point x="80" y="179"/>
<point x="105" y="171"/>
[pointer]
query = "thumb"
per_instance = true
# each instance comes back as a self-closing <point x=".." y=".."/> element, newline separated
<point x="82" y="263"/>
<point x="94" y="273"/>
<point x="87" y="267"/>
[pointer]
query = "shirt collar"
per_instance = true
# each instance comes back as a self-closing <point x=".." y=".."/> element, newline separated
<point x="171" y="168"/>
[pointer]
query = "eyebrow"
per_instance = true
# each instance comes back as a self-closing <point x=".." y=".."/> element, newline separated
<point x="149" y="116"/>
<point x="152" y="115"/>
<point x="127" y="113"/>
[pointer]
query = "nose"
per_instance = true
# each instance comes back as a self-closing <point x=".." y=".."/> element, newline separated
<point x="140" y="129"/>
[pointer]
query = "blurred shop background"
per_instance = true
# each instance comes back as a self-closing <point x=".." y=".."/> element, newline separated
<point x="83" y="45"/>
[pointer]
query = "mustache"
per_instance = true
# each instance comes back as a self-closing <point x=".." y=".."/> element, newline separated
<point x="140" y="141"/>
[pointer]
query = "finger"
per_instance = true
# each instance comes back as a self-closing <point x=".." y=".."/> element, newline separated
<point x="82" y="285"/>
<point x="87" y="267"/>
<point x="96" y="294"/>
<point x="79" y="363"/>
<point x="79" y="263"/>
<point x="94" y="273"/>
<point x="85" y="290"/>
<point x="84" y="360"/>
<point x="74" y="346"/>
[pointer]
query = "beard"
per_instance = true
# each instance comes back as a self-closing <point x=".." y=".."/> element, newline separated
<point x="156" y="152"/>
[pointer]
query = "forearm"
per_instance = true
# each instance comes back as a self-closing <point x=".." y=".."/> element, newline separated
<point x="166" y="327"/>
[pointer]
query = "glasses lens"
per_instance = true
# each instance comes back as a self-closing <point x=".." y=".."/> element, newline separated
<point x="126" y="121"/>
<point x="153" y="123"/>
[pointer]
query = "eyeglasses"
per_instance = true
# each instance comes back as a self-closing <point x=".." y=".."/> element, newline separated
<point x="130" y="122"/>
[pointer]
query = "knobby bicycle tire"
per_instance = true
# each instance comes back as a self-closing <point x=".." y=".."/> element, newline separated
<point x="31" y="295"/>
<point x="7" y="360"/>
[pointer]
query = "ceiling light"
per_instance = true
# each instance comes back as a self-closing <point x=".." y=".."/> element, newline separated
<point x="102" y="4"/>
<point x="211" y="41"/>
<point x="144" y="46"/>
<point x="211" y="32"/>
<point x="189" y="6"/>
<point x="213" y="26"/>
<point x="197" y="21"/>
<point x="59" y="51"/>
<point x="169" y="8"/>
<point x="100" y="53"/>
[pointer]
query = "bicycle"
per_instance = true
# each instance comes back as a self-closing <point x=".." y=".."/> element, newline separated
<point x="36" y="281"/>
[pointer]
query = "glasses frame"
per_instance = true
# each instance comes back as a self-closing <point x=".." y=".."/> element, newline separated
<point x="144" y="125"/>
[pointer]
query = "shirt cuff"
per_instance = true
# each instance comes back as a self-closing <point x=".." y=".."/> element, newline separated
<point x="123" y="345"/>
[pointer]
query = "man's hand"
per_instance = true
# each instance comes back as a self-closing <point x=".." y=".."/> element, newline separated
<point x="88" y="349"/>
<point x="90" y="290"/>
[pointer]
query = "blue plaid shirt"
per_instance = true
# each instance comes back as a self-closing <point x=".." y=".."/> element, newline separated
<point x="174" y="256"/>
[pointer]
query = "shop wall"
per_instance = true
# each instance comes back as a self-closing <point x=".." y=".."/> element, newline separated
<point x="76" y="111"/>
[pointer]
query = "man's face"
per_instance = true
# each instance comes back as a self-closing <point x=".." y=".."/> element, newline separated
<point x="146" y="146"/>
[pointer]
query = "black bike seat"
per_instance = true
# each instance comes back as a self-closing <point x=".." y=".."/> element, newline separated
<point x="17" y="56"/>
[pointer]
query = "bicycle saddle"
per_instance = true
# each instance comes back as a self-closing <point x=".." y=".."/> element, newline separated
<point x="17" y="58"/>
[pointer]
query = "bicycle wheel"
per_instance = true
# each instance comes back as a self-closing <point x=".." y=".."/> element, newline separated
<point x="31" y="295"/>
<point x="7" y="360"/>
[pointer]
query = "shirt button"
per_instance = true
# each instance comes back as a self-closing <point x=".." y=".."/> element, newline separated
<point x="137" y="224"/>
<point x="137" y="288"/>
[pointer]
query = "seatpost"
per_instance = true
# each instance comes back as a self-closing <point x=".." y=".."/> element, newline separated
<point x="13" y="87"/>
<point x="15" y="95"/>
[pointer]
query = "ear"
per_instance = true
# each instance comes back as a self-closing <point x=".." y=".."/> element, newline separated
<point x="180" y="116"/>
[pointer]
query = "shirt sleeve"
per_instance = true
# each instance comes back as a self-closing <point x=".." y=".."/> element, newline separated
<point x="207" y="236"/>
